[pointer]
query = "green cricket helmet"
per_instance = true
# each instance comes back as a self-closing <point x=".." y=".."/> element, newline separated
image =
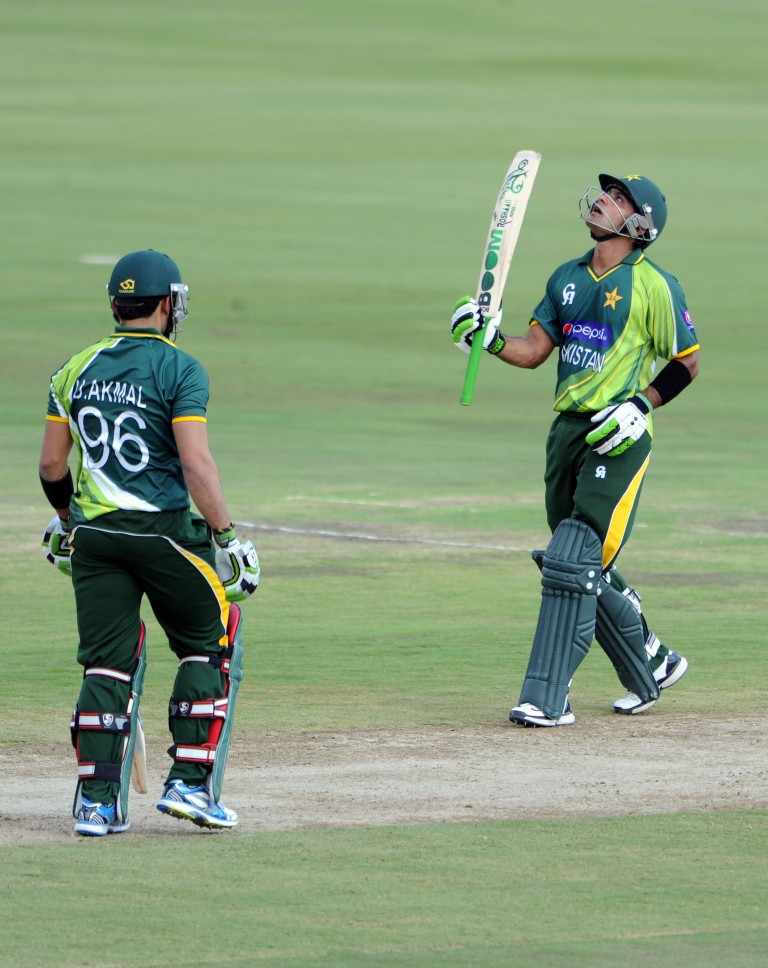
<point x="651" y="216"/>
<point x="149" y="273"/>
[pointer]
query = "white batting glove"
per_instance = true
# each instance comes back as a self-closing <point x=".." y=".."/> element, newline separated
<point x="56" y="544"/>
<point x="237" y="565"/>
<point x="467" y="319"/>
<point x="619" y="426"/>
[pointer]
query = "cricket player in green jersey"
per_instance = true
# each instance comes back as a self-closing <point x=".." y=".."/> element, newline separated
<point x="611" y="315"/>
<point x="133" y="406"/>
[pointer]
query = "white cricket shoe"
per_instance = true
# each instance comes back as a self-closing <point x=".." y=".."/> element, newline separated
<point x="632" y="704"/>
<point x="671" y="670"/>
<point x="526" y="714"/>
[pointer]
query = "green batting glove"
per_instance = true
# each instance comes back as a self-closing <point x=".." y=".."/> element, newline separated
<point x="237" y="565"/>
<point x="56" y="544"/>
<point x="619" y="426"/>
<point x="468" y="319"/>
<point x="223" y="537"/>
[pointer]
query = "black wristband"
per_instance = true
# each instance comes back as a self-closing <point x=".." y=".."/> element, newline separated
<point x="59" y="492"/>
<point x="498" y="345"/>
<point x="673" y="379"/>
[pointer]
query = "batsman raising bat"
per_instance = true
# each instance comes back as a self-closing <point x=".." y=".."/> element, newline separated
<point x="611" y="315"/>
<point x="133" y="406"/>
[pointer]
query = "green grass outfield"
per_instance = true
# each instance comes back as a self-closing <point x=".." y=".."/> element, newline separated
<point x="420" y="895"/>
<point x="324" y="173"/>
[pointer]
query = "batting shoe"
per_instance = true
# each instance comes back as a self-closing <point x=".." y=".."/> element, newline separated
<point x="632" y="704"/>
<point x="98" y="819"/>
<point x="194" y="803"/>
<point x="526" y="714"/>
<point x="671" y="670"/>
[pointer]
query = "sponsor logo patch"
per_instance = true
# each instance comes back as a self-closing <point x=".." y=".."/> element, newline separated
<point x="590" y="333"/>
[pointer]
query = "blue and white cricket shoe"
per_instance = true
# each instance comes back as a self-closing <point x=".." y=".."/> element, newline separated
<point x="671" y="670"/>
<point x="193" y="803"/>
<point x="98" y="819"/>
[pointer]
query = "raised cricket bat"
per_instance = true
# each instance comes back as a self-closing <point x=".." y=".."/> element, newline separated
<point x="505" y="228"/>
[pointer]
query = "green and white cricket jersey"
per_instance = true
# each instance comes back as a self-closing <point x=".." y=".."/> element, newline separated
<point x="611" y="329"/>
<point x="121" y="397"/>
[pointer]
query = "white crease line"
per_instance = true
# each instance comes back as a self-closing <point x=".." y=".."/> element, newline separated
<point x="339" y="500"/>
<point x="352" y="536"/>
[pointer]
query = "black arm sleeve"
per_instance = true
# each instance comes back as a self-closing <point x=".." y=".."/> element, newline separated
<point x="59" y="492"/>
<point x="673" y="379"/>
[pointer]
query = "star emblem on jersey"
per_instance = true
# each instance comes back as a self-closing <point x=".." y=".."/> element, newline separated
<point x="611" y="298"/>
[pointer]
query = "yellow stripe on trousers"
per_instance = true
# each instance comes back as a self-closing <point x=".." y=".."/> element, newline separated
<point x="617" y="529"/>
<point x="213" y="580"/>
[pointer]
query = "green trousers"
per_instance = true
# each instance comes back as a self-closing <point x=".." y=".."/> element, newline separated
<point x="117" y="560"/>
<point x="604" y="492"/>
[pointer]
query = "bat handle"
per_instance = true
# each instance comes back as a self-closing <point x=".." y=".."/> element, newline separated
<point x="473" y="365"/>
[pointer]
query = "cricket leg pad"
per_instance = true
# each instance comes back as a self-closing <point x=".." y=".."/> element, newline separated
<point x="619" y="631"/>
<point x="569" y="582"/>
<point x="117" y="722"/>
<point x="220" y="711"/>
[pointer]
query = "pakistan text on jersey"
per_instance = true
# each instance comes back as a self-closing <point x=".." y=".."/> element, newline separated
<point x="112" y="392"/>
<point x="582" y="356"/>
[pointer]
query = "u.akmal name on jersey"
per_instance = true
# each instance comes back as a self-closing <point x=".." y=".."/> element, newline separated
<point x="109" y="391"/>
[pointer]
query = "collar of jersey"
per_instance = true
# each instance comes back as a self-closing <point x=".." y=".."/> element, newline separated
<point x="635" y="256"/>
<point x="150" y="332"/>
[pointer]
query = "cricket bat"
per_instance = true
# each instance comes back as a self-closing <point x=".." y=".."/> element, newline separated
<point x="500" y="245"/>
<point x="139" y="765"/>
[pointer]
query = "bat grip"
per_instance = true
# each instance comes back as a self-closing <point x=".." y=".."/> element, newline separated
<point x="473" y="365"/>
